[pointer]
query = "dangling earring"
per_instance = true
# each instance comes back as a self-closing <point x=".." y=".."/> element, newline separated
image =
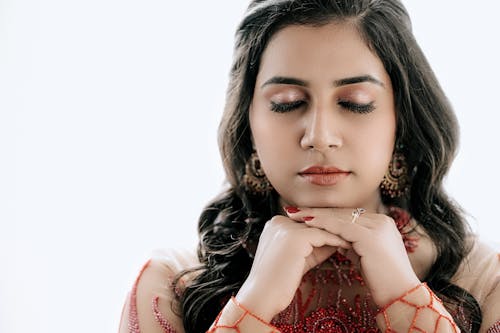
<point x="396" y="181"/>
<point x="255" y="179"/>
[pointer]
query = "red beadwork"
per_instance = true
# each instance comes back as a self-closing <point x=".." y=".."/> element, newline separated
<point x="325" y="308"/>
<point x="418" y="310"/>
<point x="495" y="328"/>
<point x="133" y="320"/>
<point x="402" y="219"/>
<point x="162" y="321"/>
<point x="322" y="303"/>
<point x="235" y="326"/>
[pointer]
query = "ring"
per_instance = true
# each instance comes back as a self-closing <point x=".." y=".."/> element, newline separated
<point x="356" y="213"/>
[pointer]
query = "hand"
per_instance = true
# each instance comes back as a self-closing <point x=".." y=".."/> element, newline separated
<point x="376" y="240"/>
<point x="287" y="249"/>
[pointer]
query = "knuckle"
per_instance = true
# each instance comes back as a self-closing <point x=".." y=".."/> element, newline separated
<point x="277" y="219"/>
<point x="277" y="225"/>
<point x="386" y="220"/>
<point x="272" y="223"/>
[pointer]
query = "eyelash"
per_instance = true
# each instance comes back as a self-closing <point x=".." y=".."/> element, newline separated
<point x="357" y="108"/>
<point x="286" y="107"/>
<point x="353" y="107"/>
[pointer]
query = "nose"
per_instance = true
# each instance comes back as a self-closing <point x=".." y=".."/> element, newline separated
<point x="321" y="130"/>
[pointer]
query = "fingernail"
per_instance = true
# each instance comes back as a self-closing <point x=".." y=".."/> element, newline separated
<point x="307" y="218"/>
<point x="292" y="210"/>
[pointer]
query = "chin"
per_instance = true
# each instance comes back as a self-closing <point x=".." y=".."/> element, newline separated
<point x="316" y="201"/>
<point x="330" y="200"/>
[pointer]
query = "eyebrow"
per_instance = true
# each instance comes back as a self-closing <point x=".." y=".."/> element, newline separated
<point x="336" y="83"/>
<point x="358" y="79"/>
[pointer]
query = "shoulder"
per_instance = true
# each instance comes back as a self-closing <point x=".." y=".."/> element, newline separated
<point x="151" y="304"/>
<point x="479" y="274"/>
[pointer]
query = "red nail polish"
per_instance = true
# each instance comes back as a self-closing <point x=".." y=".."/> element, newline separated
<point x="307" y="218"/>
<point x="292" y="210"/>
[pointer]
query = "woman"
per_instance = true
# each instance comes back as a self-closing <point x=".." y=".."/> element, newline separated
<point x="336" y="137"/>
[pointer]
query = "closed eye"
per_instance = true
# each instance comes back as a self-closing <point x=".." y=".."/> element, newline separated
<point x="286" y="107"/>
<point x="356" y="107"/>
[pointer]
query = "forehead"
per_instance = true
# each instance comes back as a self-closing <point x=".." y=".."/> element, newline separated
<point x="331" y="51"/>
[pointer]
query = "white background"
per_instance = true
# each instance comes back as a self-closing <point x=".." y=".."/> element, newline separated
<point x="108" y="118"/>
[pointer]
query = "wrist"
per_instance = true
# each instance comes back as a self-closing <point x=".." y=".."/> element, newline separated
<point x="257" y="303"/>
<point x="394" y="291"/>
<point x="237" y="317"/>
<point x="417" y="309"/>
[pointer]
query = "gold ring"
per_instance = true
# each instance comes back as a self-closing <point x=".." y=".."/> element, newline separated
<point x="356" y="213"/>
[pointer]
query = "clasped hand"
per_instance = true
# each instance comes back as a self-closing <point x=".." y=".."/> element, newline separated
<point x="291" y="245"/>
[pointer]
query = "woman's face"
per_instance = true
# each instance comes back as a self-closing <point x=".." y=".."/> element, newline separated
<point x="322" y="117"/>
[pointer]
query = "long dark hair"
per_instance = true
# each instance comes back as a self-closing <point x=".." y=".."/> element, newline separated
<point x="229" y="227"/>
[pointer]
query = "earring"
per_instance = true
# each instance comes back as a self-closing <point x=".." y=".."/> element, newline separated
<point x="396" y="181"/>
<point x="255" y="179"/>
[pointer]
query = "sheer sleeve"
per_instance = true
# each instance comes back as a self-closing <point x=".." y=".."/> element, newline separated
<point x="150" y="306"/>
<point x="491" y="306"/>
<point x="480" y="275"/>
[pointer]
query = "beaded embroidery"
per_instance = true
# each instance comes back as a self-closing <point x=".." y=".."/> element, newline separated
<point x="133" y="322"/>
<point x="162" y="321"/>
<point x="245" y="315"/>
<point x="430" y="309"/>
<point x="322" y="303"/>
<point x="402" y="219"/>
<point x="321" y="306"/>
<point x="339" y="317"/>
<point x="495" y="328"/>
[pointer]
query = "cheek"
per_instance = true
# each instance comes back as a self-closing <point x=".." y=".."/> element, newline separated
<point x="274" y="141"/>
<point x="375" y="144"/>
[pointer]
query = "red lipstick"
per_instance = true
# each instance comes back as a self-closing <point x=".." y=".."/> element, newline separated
<point x="324" y="175"/>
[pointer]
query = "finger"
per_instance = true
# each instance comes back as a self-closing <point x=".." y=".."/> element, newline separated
<point x="303" y="214"/>
<point x="351" y="232"/>
<point x="335" y="221"/>
<point x="318" y="238"/>
<point x="298" y="214"/>
<point x="346" y="215"/>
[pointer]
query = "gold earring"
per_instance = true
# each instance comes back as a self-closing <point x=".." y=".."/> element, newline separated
<point x="255" y="179"/>
<point x="396" y="181"/>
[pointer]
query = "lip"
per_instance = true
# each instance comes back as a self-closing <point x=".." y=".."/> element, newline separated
<point x="324" y="175"/>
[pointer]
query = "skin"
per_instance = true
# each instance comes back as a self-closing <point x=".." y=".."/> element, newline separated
<point x="321" y="129"/>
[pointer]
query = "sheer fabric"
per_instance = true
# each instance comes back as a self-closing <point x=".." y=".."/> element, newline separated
<point x="331" y="298"/>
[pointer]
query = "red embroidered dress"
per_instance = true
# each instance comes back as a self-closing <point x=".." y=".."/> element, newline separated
<point x="332" y="298"/>
<point x="318" y="308"/>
